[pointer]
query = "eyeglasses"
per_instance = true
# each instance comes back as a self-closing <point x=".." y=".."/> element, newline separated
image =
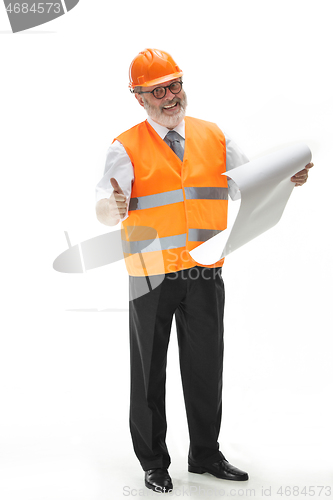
<point x="159" y="92"/>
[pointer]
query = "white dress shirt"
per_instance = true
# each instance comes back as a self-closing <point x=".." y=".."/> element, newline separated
<point x="119" y="165"/>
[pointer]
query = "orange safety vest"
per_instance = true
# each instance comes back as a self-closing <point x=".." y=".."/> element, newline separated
<point x="175" y="206"/>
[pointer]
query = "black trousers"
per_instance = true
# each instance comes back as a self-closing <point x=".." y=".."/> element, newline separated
<point x="196" y="297"/>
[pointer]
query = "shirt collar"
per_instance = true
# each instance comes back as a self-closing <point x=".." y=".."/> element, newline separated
<point x="162" y="131"/>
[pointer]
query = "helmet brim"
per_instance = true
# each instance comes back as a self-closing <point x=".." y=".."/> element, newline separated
<point x="162" y="79"/>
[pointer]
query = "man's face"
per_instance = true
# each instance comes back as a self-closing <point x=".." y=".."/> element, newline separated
<point x="168" y="111"/>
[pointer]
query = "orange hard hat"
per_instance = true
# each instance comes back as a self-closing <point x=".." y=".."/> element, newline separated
<point x="151" y="67"/>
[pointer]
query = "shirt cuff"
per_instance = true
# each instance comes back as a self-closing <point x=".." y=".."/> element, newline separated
<point x="233" y="190"/>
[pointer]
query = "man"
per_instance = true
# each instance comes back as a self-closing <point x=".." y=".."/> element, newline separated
<point x="166" y="177"/>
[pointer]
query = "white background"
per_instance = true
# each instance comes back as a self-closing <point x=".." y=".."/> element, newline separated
<point x="262" y="71"/>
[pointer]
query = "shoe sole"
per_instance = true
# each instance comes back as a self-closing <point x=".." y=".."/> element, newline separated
<point x="199" y="470"/>
<point x="157" y="489"/>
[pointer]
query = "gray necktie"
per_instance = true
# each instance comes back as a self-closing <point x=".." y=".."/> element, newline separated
<point x="173" y="140"/>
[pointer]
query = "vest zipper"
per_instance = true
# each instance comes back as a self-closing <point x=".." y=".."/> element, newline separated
<point x="183" y="188"/>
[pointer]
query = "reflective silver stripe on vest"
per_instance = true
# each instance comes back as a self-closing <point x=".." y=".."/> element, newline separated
<point x="206" y="193"/>
<point x="168" y="242"/>
<point x="156" y="200"/>
<point x="202" y="234"/>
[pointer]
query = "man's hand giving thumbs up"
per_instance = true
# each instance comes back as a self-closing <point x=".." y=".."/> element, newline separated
<point x="117" y="200"/>
<point x="109" y="211"/>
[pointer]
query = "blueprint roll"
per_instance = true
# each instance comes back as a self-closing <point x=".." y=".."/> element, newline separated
<point x="265" y="188"/>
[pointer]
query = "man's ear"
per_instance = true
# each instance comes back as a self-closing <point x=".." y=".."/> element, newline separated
<point x="138" y="97"/>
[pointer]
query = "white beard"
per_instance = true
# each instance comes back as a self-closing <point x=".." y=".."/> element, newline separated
<point x="160" y="117"/>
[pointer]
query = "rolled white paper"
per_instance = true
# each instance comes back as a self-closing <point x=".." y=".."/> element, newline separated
<point x="265" y="188"/>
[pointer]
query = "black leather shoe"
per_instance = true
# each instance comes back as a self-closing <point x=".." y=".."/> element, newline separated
<point x="221" y="469"/>
<point x="158" y="480"/>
